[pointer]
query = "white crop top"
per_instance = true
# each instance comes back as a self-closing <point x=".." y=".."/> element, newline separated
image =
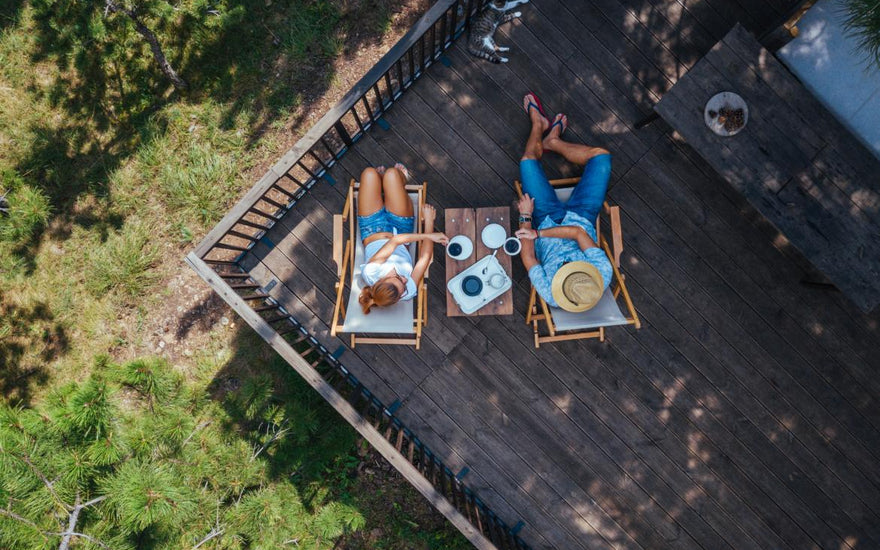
<point x="400" y="261"/>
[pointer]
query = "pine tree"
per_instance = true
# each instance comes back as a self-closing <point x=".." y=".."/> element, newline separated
<point x="134" y="458"/>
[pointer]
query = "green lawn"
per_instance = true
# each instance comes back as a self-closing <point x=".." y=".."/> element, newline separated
<point x="111" y="176"/>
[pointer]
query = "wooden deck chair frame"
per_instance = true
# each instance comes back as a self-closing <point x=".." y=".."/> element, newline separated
<point x="613" y="251"/>
<point x="344" y="257"/>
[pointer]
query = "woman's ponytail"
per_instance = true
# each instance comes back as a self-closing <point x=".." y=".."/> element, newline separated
<point x="366" y="299"/>
<point x="382" y="294"/>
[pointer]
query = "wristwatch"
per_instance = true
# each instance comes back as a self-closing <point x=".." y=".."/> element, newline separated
<point x="523" y="218"/>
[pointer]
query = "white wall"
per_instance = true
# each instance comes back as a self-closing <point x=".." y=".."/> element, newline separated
<point x="828" y="63"/>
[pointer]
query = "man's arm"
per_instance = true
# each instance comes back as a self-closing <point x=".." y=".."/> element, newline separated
<point x="526" y="206"/>
<point x="573" y="232"/>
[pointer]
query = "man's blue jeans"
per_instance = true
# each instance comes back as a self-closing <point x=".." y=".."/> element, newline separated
<point x="586" y="198"/>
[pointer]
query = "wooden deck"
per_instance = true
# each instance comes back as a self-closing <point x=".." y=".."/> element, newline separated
<point x="744" y="414"/>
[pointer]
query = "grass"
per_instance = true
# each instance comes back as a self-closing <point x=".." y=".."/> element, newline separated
<point x="123" y="264"/>
<point x="111" y="176"/>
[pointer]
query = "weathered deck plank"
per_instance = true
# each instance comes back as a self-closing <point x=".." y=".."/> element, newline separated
<point x="743" y="415"/>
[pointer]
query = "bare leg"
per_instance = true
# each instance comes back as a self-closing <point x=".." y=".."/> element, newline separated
<point x="575" y="153"/>
<point x="370" y="192"/>
<point x="534" y="148"/>
<point x="396" y="199"/>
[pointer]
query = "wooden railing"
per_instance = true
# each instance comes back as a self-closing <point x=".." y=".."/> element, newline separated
<point x="216" y="260"/>
<point x="374" y="420"/>
<point x="359" y="110"/>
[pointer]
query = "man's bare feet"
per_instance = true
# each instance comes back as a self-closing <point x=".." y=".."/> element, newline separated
<point x="560" y="124"/>
<point x="532" y="107"/>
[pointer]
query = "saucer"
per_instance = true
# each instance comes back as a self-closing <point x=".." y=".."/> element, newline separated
<point x="467" y="247"/>
<point x="493" y="236"/>
<point x="472" y="285"/>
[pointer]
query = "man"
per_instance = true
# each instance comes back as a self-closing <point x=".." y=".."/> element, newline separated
<point x="559" y="241"/>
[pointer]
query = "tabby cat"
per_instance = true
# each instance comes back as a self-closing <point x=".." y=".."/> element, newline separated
<point x="480" y="40"/>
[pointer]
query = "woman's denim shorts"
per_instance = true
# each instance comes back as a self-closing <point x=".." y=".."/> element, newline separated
<point x="384" y="221"/>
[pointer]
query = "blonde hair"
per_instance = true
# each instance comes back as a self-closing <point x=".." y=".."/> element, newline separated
<point x="382" y="294"/>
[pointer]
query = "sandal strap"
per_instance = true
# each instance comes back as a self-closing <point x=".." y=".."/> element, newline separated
<point x="558" y="122"/>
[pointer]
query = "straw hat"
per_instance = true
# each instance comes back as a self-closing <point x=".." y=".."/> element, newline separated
<point x="577" y="286"/>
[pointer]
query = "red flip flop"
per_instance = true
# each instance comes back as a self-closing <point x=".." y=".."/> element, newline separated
<point x="536" y="104"/>
<point x="560" y="120"/>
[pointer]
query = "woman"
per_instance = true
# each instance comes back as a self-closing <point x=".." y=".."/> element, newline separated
<point x="387" y="225"/>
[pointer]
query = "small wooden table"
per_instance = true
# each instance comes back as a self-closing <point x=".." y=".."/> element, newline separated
<point x="470" y="222"/>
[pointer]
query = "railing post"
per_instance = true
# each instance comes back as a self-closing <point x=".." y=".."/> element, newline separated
<point x="455" y="8"/>
<point x="343" y="133"/>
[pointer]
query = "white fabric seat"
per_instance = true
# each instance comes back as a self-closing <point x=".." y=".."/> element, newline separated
<point x="396" y="319"/>
<point x="606" y="313"/>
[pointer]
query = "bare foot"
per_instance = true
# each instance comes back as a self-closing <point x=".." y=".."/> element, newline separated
<point x="560" y="124"/>
<point x="403" y="169"/>
<point x="530" y="106"/>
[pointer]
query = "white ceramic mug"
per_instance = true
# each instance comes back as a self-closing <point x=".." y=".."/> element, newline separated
<point x="518" y="246"/>
<point x="496" y="280"/>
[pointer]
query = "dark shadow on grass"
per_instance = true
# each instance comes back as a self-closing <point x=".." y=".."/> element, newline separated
<point x="258" y="61"/>
<point x="202" y="316"/>
<point x="21" y="329"/>
<point x="315" y="448"/>
<point x="9" y="13"/>
<point x="321" y="454"/>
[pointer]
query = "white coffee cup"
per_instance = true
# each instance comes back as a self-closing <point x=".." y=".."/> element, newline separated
<point x="461" y="244"/>
<point x="496" y="280"/>
<point x="509" y="243"/>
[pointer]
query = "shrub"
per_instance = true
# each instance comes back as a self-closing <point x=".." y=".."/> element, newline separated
<point x="28" y="210"/>
<point x="124" y="261"/>
<point x="94" y="446"/>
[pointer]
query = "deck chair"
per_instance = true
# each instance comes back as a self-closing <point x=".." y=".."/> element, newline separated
<point x="565" y="325"/>
<point x="401" y="323"/>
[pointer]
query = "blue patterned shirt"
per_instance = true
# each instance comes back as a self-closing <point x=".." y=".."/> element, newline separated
<point x="552" y="253"/>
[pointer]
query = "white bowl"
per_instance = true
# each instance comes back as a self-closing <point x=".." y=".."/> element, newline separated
<point x="730" y="100"/>
<point x="493" y="236"/>
<point x="467" y="247"/>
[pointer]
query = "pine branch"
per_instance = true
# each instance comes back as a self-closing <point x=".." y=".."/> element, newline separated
<point x="71" y="524"/>
<point x="215" y="532"/>
<point x="93" y="501"/>
<point x="49" y="484"/>
<point x="13" y="515"/>
<point x="279" y="433"/>
<point x="200" y="426"/>
<point x="73" y="518"/>
<point x="81" y="535"/>
<point x="67" y="534"/>
<point x="164" y="65"/>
